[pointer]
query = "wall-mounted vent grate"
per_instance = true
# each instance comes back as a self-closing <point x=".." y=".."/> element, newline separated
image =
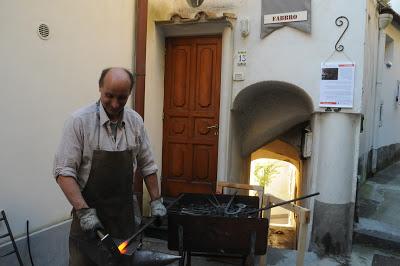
<point x="43" y="31"/>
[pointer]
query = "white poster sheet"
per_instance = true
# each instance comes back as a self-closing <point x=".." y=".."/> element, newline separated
<point x="337" y="85"/>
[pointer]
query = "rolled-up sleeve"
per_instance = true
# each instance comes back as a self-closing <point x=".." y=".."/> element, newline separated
<point x="69" y="153"/>
<point x="145" y="158"/>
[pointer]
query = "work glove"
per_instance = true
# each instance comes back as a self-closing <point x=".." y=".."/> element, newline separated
<point x="89" y="221"/>
<point x="158" y="208"/>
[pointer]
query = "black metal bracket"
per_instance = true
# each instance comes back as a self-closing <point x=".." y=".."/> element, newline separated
<point x="335" y="109"/>
<point x="339" y="22"/>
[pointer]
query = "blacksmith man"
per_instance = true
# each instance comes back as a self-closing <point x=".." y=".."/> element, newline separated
<point x="101" y="147"/>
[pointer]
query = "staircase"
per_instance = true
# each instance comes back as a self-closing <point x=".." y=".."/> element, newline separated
<point x="379" y="210"/>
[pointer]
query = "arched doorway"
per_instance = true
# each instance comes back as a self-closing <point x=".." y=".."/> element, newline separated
<point x="269" y="121"/>
<point x="280" y="166"/>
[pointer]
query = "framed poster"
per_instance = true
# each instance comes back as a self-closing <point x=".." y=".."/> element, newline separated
<point x="337" y="85"/>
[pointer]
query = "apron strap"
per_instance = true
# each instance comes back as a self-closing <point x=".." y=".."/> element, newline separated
<point x="98" y="120"/>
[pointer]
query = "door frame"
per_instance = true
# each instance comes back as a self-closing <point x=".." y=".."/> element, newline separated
<point x="195" y="116"/>
<point x="226" y="86"/>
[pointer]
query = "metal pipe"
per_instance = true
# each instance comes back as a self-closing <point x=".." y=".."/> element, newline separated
<point x="230" y="202"/>
<point x="151" y="221"/>
<point x="384" y="21"/>
<point x="140" y="55"/>
<point x="140" y="73"/>
<point x="281" y="203"/>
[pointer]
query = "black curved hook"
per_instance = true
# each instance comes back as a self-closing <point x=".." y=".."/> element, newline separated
<point x="339" y="22"/>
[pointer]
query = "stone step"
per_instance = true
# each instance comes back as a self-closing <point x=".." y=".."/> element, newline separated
<point x="377" y="234"/>
<point x="380" y="260"/>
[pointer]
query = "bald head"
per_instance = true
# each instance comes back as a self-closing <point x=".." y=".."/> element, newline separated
<point x="115" y="88"/>
<point x="116" y="72"/>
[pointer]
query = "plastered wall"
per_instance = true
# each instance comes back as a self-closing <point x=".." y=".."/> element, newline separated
<point x="41" y="83"/>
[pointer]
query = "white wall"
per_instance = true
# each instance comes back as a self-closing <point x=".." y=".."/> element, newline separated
<point x="369" y="85"/>
<point x="389" y="132"/>
<point x="369" y="82"/>
<point x="288" y="54"/>
<point x="41" y="83"/>
<point x="295" y="57"/>
<point x="285" y="55"/>
<point x="378" y="134"/>
<point x="154" y="93"/>
<point x="335" y="173"/>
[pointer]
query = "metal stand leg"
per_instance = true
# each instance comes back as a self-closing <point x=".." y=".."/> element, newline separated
<point x="244" y="260"/>
<point x="189" y="258"/>
<point x="251" y="257"/>
<point x="181" y="251"/>
<point x="9" y="234"/>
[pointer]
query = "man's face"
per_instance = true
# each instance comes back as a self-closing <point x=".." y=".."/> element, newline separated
<point x="115" y="92"/>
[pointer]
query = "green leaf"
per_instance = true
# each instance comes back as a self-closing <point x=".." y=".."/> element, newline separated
<point x="264" y="173"/>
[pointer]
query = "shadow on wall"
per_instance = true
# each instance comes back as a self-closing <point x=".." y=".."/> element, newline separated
<point x="265" y="110"/>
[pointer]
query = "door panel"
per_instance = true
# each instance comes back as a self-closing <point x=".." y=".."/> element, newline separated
<point x="191" y="114"/>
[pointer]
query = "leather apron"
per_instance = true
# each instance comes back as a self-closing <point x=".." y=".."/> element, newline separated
<point x="109" y="191"/>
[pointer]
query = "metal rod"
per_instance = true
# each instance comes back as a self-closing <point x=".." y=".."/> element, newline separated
<point x="281" y="203"/>
<point x="151" y="221"/>
<point x="3" y="214"/>
<point x="230" y="202"/>
<point x="215" y="198"/>
<point x="212" y="203"/>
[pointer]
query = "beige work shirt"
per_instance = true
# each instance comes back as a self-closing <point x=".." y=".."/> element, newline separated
<point x="80" y="137"/>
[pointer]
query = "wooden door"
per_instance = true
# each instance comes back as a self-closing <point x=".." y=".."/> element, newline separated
<point x="191" y="115"/>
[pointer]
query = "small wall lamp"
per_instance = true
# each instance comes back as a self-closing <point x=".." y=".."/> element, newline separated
<point x="244" y="27"/>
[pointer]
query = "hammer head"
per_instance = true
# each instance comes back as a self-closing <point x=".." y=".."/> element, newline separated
<point x="109" y="243"/>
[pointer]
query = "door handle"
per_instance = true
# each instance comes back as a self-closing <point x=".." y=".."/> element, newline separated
<point x="216" y="129"/>
<point x="214" y="126"/>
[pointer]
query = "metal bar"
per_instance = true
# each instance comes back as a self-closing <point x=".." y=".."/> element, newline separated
<point x="215" y="198"/>
<point x="151" y="221"/>
<point x="181" y="251"/>
<point x="5" y="235"/>
<point x="282" y="203"/>
<point x="3" y="214"/>
<point x="189" y="258"/>
<point x="8" y="253"/>
<point x="219" y="255"/>
<point x="230" y="202"/>
<point x="251" y="256"/>
<point x="212" y="203"/>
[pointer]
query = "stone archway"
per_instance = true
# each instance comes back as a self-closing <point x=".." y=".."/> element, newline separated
<point x="265" y="110"/>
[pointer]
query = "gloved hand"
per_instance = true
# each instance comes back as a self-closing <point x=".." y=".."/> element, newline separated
<point x="157" y="208"/>
<point x="89" y="221"/>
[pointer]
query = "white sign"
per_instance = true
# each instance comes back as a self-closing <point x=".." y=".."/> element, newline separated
<point x="238" y="76"/>
<point x="285" y="17"/>
<point x="242" y="58"/>
<point x="337" y="85"/>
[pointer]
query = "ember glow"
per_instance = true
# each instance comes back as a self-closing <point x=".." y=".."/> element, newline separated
<point x="122" y="247"/>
